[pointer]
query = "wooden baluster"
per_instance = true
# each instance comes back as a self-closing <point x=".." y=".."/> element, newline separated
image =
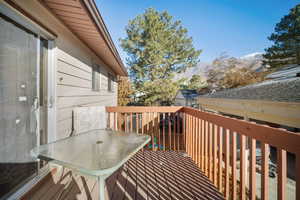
<point x="136" y="122"/>
<point x="298" y="175"/>
<point x="206" y="148"/>
<point x="174" y="131"/>
<point x="152" y="128"/>
<point x="178" y="131"/>
<point x="143" y="123"/>
<point x="227" y="187"/>
<point x="202" y="145"/>
<point x="184" y="130"/>
<point x="196" y="140"/>
<point x="210" y="140"/>
<point x="131" y="125"/>
<point x="115" y="121"/>
<point x="252" y="169"/>
<point x="158" y="130"/>
<point x="108" y="120"/>
<point x="125" y="122"/>
<point x="243" y="168"/>
<point x="169" y="127"/>
<point x="164" y="137"/>
<point x="265" y="171"/>
<point x="282" y="173"/>
<point x="215" y="154"/>
<point x="190" y="135"/>
<point x="220" y="159"/>
<point x="233" y="150"/>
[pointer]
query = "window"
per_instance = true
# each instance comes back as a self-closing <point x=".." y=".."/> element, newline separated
<point x="96" y="78"/>
<point x="110" y="79"/>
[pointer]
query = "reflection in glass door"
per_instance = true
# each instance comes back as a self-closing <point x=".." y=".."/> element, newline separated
<point x="18" y="105"/>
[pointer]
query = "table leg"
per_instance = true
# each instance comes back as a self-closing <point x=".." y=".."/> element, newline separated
<point x="101" y="187"/>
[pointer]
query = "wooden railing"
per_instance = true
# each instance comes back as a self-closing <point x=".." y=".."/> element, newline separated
<point x="217" y="144"/>
<point x="163" y="124"/>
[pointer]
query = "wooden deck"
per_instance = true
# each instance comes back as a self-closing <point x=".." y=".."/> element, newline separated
<point x="148" y="175"/>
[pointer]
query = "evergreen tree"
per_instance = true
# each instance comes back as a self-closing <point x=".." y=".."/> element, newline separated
<point x="196" y="82"/>
<point x="158" y="47"/>
<point x="286" y="38"/>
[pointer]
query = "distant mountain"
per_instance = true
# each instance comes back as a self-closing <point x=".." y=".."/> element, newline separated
<point x="252" y="61"/>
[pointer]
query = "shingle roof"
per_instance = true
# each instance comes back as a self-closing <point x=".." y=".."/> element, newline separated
<point x="272" y="90"/>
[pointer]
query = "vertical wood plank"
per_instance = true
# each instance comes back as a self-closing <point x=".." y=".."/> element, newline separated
<point x="282" y="173"/>
<point x="227" y="186"/>
<point x="184" y="130"/>
<point x="298" y="175"/>
<point x="252" y="169"/>
<point x="152" y="128"/>
<point x="108" y="120"/>
<point x="143" y="123"/>
<point x="202" y="145"/>
<point x="199" y="141"/>
<point x="158" y="130"/>
<point x="174" y="131"/>
<point x="215" y="151"/>
<point x="178" y="130"/>
<point x="125" y="122"/>
<point x="115" y="121"/>
<point x="169" y="125"/>
<point x="131" y="125"/>
<point x="210" y="139"/>
<point x="191" y="136"/>
<point x="164" y="138"/>
<point x="265" y="171"/>
<point x="220" y="159"/>
<point x="233" y="165"/>
<point x="206" y="148"/>
<point x="196" y="141"/>
<point x="243" y="168"/>
<point x="137" y="122"/>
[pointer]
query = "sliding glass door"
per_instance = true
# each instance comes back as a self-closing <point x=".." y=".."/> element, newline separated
<point x="20" y="62"/>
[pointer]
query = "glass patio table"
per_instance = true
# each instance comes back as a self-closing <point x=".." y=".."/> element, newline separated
<point x="96" y="153"/>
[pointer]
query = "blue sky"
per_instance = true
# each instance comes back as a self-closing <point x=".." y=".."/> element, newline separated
<point x="238" y="27"/>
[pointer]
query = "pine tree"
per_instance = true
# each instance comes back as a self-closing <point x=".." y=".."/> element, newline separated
<point x="286" y="38"/>
<point x="158" y="47"/>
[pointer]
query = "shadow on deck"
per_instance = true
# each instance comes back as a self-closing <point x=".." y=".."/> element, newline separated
<point x="148" y="175"/>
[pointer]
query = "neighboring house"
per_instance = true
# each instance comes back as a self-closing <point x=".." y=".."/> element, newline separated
<point x="186" y="98"/>
<point x="54" y="56"/>
<point x="283" y="85"/>
<point x="287" y="72"/>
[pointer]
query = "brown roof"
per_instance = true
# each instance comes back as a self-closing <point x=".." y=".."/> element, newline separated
<point x="83" y="18"/>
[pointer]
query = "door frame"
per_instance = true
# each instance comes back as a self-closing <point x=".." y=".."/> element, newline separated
<point x="18" y="17"/>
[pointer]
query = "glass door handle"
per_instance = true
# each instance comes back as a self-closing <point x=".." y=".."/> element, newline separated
<point x="34" y="114"/>
<point x="51" y="102"/>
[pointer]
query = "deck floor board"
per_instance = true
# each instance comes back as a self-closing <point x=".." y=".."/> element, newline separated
<point x="149" y="175"/>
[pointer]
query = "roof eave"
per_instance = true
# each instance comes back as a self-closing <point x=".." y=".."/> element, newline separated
<point x="93" y="10"/>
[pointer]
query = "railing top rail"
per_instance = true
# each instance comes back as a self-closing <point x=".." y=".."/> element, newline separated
<point x="277" y="137"/>
<point x="143" y="109"/>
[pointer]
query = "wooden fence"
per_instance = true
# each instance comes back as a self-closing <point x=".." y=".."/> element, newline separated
<point x="215" y="142"/>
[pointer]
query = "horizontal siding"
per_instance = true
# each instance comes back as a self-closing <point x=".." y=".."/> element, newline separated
<point x="74" y="72"/>
<point x="70" y="80"/>
<point x="69" y="69"/>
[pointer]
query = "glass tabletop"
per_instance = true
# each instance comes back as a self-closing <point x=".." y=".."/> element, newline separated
<point x="97" y="152"/>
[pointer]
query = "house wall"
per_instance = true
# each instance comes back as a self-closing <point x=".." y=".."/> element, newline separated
<point x="74" y="62"/>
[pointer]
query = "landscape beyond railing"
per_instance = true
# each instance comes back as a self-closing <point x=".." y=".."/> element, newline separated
<point x="216" y="144"/>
